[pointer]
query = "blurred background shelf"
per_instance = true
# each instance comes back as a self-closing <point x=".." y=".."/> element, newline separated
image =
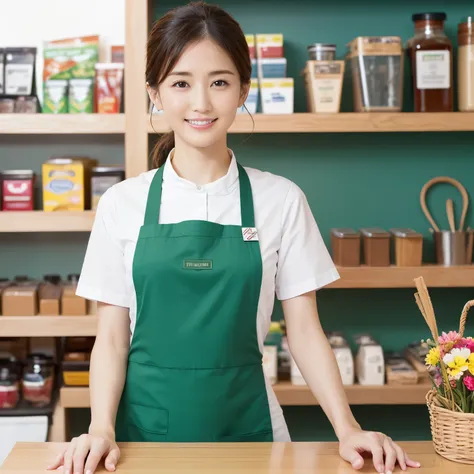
<point x="39" y="221"/>
<point x="48" y="326"/>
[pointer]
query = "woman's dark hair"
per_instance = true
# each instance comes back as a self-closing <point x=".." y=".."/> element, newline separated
<point x="174" y="32"/>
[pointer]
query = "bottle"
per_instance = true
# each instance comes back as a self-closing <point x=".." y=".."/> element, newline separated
<point x="466" y="65"/>
<point x="431" y="57"/>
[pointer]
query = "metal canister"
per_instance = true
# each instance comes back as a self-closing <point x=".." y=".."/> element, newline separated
<point x="322" y="52"/>
<point x="104" y="177"/>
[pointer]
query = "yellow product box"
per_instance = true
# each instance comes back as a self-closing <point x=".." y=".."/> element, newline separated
<point x="66" y="184"/>
<point x="269" y="46"/>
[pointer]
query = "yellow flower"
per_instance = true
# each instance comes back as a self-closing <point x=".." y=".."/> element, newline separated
<point x="432" y="358"/>
<point x="457" y="362"/>
<point x="470" y="361"/>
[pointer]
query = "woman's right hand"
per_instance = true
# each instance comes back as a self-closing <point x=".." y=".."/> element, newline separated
<point x="84" y="453"/>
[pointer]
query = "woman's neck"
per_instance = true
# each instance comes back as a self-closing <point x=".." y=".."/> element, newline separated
<point x="201" y="166"/>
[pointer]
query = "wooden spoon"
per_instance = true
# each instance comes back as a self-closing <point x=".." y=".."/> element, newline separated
<point x="450" y="212"/>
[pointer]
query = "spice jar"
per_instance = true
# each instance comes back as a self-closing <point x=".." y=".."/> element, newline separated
<point x="104" y="177"/>
<point x="322" y="52"/>
<point x="377" y="70"/>
<point x="376" y="247"/>
<point x="431" y="57"/>
<point x="408" y="246"/>
<point x="345" y="245"/>
<point x="466" y="65"/>
<point x="9" y="381"/>
<point x="18" y="190"/>
<point x="38" y="379"/>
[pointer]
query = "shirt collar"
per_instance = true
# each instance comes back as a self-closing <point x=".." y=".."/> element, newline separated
<point x="224" y="185"/>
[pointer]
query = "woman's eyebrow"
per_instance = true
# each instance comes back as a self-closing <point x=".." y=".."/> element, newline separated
<point x="212" y="73"/>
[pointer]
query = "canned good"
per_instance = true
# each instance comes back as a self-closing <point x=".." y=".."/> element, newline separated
<point x="104" y="177"/>
<point x="18" y="190"/>
<point x="38" y="379"/>
<point x="322" y="52"/>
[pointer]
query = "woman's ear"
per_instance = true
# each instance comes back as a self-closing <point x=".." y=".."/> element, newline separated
<point x="245" y="89"/>
<point x="154" y="96"/>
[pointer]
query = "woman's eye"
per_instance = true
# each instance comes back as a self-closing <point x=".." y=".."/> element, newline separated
<point x="180" y="85"/>
<point x="220" y="83"/>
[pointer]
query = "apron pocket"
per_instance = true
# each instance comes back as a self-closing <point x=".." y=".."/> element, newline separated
<point x="149" y="420"/>
<point x="260" y="436"/>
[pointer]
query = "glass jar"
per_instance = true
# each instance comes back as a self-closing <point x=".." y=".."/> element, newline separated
<point x="466" y="65"/>
<point x="431" y="57"/>
<point x="9" y="381"/>
<point x="38" y="380"/>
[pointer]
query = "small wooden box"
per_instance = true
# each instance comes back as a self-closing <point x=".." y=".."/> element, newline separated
<point x="408" y="246"/>
<point x="345" y="245"/>
<point x="376" y="247"/>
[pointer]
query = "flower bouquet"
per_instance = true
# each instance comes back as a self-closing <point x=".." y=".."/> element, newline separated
<point x="450" y="363"/>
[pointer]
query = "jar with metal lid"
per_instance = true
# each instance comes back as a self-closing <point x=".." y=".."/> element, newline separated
<point x="345" y="243"/>
<point x="466" y="65"/>
<point x="38" y="379"/>
<point x="104" y="177"/>
<point x="376" y="245"/>
<point x="18" y="190"/>
<point x="10" y="369"/>
<point x="322" y="52"/>
<point x="408" y="246"/>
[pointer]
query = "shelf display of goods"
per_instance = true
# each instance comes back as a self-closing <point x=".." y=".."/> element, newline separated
<point x="451" y="400"/>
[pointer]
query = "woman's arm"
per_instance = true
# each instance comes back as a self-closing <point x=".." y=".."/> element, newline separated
<point x="315" y="359"/>
<point x="108" y="367"/>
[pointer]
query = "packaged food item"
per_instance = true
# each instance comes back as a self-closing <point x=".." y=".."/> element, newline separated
<point x="4" y="283"/>
<point x="252" y="99"/>
<point x="71" y="58"/>
<point x="81" y="96"/>
<point x="109" y="88"/>
<point x="18" y="190"/>
<point x="377" y="73"/>
<point x="38" y="379"/>
<point x="7" y="106"/>
<point x="370" y="363"/>
<point x="466" y="65"/>
<point x="277" y="95"/>
<point x="345" y="244"/>
<point x="254" y="72"/>
<point x="399" y="370"/>
<point x="55" y="97"/>
<point x="76" y="373"/>
<point x="431" y="57"/>
<point x="118" y="54"/>
<point x="269" y="68"/>
<point x="323" y="81"/>
<point x="104" y="177"/>
<point x="376" y="245"/>
<point x="343" y="355"/>
<point x="66" y="183"/>
<point x="416" y="353"/>
<point x="71" y="304"/>
<point x="408" y="246"/>
<point x="20" y="71"/>
<point x="49" y="293"/>
<point x="251" y="44"/>
<point x="2" y="71"/>
<point x="322" y="52"/>
<point x="9" y="381"/>
<point x="270" y="362"/>
<point x="269" y="46"/>
<point x="20" y="299"/>
<point x="26" y="105"/>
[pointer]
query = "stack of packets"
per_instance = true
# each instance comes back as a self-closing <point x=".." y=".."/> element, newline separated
<point x="269" y="68"/>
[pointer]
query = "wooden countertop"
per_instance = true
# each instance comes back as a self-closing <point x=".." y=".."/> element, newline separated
<point x="236" y="458"/>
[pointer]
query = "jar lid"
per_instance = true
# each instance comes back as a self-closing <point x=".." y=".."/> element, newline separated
<point x="374" y="232"/>
<point x="107" y="169"/>
<point x="39" y="358"/>
<point x="321" y="47"/>
<point x="345" y="233"/>
<point x="19" y="174"/>
<point x="437" y="16"/>
<point x="73" y="277"/>
<point x="404" y="233"/>
<point x="52" y="278"/>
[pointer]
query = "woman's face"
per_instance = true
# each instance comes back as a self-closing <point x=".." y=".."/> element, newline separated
<point x="201" y="95"/>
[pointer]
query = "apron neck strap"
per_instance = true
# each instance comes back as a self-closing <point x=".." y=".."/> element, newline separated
<point x="153" y="204"/>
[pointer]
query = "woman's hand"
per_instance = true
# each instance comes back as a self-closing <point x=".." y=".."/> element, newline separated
<point x="385" y="452"/>
<point x="92" y="447"/>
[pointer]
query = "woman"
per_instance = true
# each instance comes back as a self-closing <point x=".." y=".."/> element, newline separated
<point x="185" y="260"/>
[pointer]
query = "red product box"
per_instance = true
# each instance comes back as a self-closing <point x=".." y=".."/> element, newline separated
<point x="18" y="190"/>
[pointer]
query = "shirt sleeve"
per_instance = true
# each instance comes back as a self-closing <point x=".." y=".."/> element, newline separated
<point x="304" y="263"/>
<point x="103" y="276"/>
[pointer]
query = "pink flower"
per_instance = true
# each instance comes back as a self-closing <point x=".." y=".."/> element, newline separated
<point x="469" y="382"/>
<point x="438" y="379"/>
<point x="451" y="336"/>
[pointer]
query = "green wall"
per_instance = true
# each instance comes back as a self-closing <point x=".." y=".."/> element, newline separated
<point x="349" y="179"/>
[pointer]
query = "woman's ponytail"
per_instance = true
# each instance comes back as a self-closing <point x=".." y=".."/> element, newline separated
<point x="162" y="149"/>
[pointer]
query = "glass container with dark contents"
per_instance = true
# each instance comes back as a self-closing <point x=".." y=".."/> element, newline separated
<point x="10" y="369"/>
<point x="38" y="379"/>
<point x="431" y="57"/>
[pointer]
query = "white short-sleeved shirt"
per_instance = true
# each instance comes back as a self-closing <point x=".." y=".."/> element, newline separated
<point x="295" y="258"/>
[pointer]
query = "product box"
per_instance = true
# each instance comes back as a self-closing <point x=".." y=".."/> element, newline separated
<point x="71" y="304"/>
<point x="251" y="44"/>
<point x="20" y="300"/>
<point x="270" y="46"/>
<point x="277" y="95"/>
<point x="270" y="68"/>
<point x="252" y="99"/>
<point x="66" y="184"/>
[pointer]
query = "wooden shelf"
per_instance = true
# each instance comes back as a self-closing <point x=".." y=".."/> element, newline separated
<point x="435" y="276"/>
<point x="288" y="394"/>
<point x="39" y="221"/>
<point x="48" y="326"/>
<point x="62" y="123"/>
<point x="342" y="122"/>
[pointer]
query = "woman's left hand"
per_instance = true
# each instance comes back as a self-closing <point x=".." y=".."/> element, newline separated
<point x="384" y="451"/>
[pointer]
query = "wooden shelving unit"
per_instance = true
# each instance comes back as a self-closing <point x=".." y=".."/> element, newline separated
<point x="340" y="123"/>
<point x="39" y="221"/>
<point x="288" y="394"/>
<point x="48" y="326"/>
<point x="62" y="124"/>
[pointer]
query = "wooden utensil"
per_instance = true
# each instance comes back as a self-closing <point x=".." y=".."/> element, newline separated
<point x="450" y="213"/>
<point x="458" y="185"/>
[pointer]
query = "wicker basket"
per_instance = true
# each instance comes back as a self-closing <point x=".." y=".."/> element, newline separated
<point x="452" y="431"/>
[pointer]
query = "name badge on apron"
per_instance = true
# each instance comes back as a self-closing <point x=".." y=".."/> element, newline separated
<point x="249" y="234"/>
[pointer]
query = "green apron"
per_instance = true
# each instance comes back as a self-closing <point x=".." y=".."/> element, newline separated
<point x="194" y="371"/>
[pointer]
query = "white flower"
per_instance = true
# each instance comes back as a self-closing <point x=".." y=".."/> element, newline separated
<point x="464" y="353"/>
